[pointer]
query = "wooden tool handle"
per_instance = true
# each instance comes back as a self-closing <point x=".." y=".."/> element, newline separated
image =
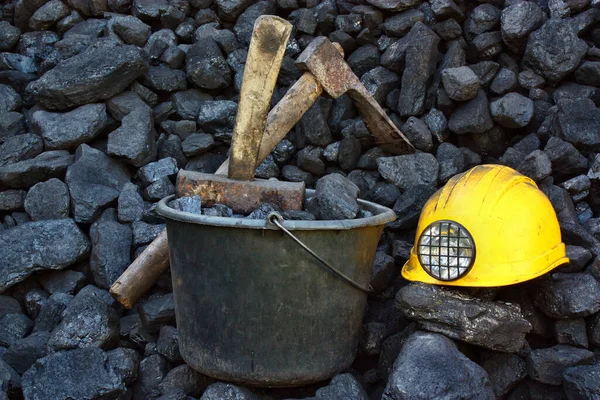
<point x="265" y="54"/>
<point x="141" y="275"/>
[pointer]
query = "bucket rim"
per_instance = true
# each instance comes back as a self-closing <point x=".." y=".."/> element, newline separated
<point x="382" y="215"/>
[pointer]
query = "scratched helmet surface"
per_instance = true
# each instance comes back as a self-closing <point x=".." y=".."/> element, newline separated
<point x="489" y="226"/>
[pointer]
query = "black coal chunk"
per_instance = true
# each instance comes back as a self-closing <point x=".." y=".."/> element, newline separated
<point x="26" y="173"/>
<point x="568" y="295"/>
<point x="409" y="170"/>
<point x="548" y="365"/>
<point x="472" y="116"/>
<point x="428" y="304"/>
<point x="157" y="311"/>
<point x="95" y="75"/>
<point x="430" y="357"/>
<point x="35" y="246"/>
<point x="582" y="382"/>
<point x="23" y="353"/>
<point x="577" y="122"/>
<point x="334" y="199"/>
<point x="48" y="200"/>
<point x="111" y="251"/>
<point x="206" y="66"/>
<point x="19" y="148"/>
<point x="134" y="141"/>
<point x="14" y="327"/>
<point x="505" y="371"/>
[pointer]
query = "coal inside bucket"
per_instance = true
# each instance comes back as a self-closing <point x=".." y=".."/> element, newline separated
<point x="255" y="308"/>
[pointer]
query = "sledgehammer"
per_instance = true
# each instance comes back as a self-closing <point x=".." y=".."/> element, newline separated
<point x="141" y="275"/>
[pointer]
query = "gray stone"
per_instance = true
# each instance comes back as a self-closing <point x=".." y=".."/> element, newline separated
<point x="167" y="344"/>
<point x="548" y="365"/>
<point x="568" y="295"/>
<point x="144" y="233"/>
<point x="159" y="189"/>
<point x="48" y="15"/>
<point x="111" y="252"/>
<point x="334" y="199"/>
<point x="418" y="133"/>
<point x="130" y="203"/>
<point x="48" y="200"/>
<point x="197" y="143"/>
<point x="566" y="160"/>
<point x="190" y="204"/>
<point x="35" y="246"/>
<point x="504" y="82"/>
<point x="571" y="331"/>
<point x="421" y="57"/>
<point x="165" y="79"/>
<point x="554" y="50"/>
<point x="9" y="100"/>
<point x="577" y="122"/>
<point x="23" y="353"/>
<point x="380" y="82"/>
<point x="189" y="102"/>
<point x="156" y="170"/>
<point x="183" y="379"/>
<point x="134" y="141"/>
<point x="11" y="124"/>
<point x="460" y="83"/>
<point x="582" y="382"/>
<point x="505" y="371"/>
<point x="11" y="200"/>
<point x="206" y="67"/>
<point x="313" y="126"/>
<point x="87" y="322"/>
<point x="472" y="116"/>
<point x="69" y="130"/>
<point x="217" y="116"/>
<point x="495" y="325"/>
<point x="451" y="160"/>
<point x="512" y="110"/>
<point x="364" y="59"/>
<point x="123" y="104"/>
<point x="536" y="165"/>
<point x="20" y="148"/>
<point x="222" y="390"/>
<point x="129" y="29"/>
<point x="68" y="281"/>
<point x="97" y="74"/>
<point x="9" y="36"/>
<point x="429" y="357"/>
<point x="409" y="170"/>
<point x="518" y="21"/>
<point x="60" y="376"/>
<point x="94" y="181"/>
<point x="14" y="327"/>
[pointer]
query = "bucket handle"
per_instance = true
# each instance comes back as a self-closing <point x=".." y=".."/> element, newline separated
<point x="276" y="219"/>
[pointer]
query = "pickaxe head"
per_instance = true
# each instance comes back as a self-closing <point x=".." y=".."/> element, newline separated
<point x="325" y="62"/>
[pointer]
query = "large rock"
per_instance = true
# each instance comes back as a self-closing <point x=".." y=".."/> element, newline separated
<point x="548" y="365"/>
<point x="26" y="173"/>
<point x="568" y="295"/>
<point x="84" y="374"/>
<point x="472" y="116"/>
<point x="97" y="74"/>
<point x="582" y="382"/>
<point x="87" y="322"/>
<point x="19" y="148"/>
<point x="206" y="67"/>
<point x="430" y="366"/>
<point x="495" y="325"/>
<point x="512" y="110"/>
<point x="409" y="170"/>
<point x="134" y="141"/>
<point x="335" y="198"/>
<point x="421" y="58"/>
<point x="111" y="251"/>
<point x="518" y="21"/>
<point x="94" y="181"/>
<point x="48" y="200"/>
<point x="69" y="130"/>
<point x="578" y="122"/>
<point x="554" y="50"/>
<point x="36" y="246"/>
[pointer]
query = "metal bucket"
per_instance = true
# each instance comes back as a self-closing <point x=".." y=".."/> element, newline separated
<point x="253" y="307"/>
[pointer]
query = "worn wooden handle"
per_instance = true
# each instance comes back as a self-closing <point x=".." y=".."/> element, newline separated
<point x="141" y="275"/>
<point x="265" y="54"/>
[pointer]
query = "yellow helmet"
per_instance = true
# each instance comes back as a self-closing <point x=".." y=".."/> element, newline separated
<point x="489" y="226"/>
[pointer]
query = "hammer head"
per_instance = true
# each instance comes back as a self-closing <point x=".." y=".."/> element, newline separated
<point x="324" y="61"/>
